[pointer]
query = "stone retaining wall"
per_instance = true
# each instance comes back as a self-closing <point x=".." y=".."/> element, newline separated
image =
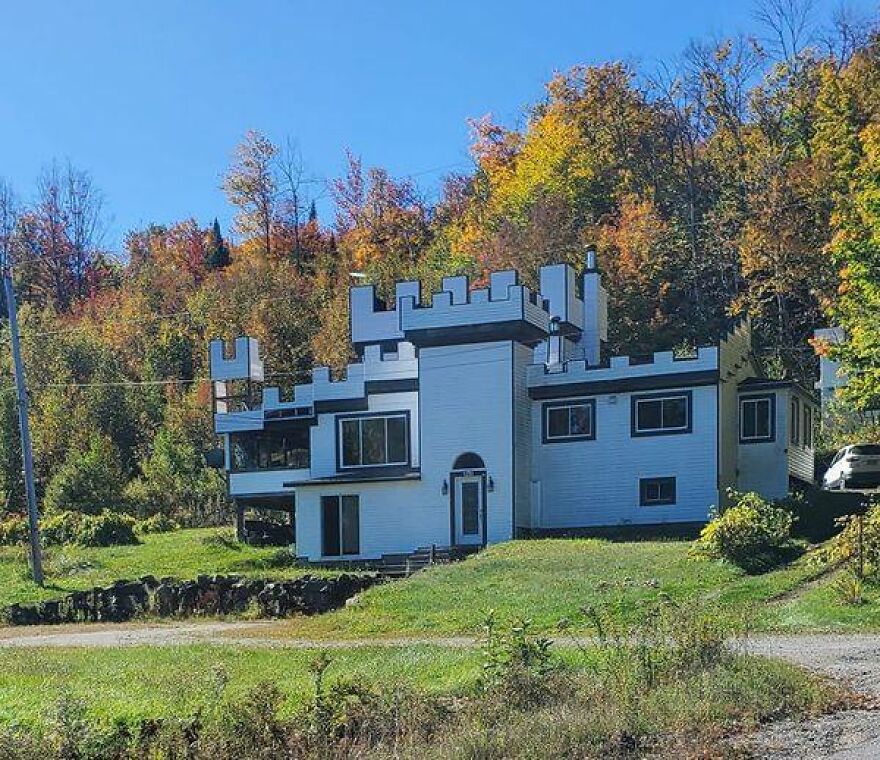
<point x="207" y="595"/>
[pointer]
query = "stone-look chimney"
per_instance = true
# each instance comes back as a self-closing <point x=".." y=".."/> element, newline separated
<point x="595" y="310"/>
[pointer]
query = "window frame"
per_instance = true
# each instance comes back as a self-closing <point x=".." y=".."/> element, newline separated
<point x="546" y="408"/>
<point x="340" y="538"/>
<point x="794" y="424"/>
<point x="807" y="431"/>
<point x="635" y="400"/>
<point x="754" y="398"/>
<point x="340" y="421"/>
<point x="644" y="483"/>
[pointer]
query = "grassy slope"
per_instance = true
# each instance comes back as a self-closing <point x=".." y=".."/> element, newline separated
<point x="182" y="554"/>
<point x="817" y="607"/>
<point x="546" y="581"/>
<point x="542" y="580"/>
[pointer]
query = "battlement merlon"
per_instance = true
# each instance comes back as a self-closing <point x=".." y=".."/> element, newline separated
<point x="371" y="321"/>
<point x="244" y="363"/>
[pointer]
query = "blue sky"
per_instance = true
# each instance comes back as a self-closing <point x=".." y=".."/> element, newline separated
<point x="151" y="97"/>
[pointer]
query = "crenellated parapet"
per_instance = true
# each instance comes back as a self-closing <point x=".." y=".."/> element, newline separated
<point x="374" y="321"/>
<point x="661" y="368"/>
<point x="379" y="368"/>
<point x="242" y="362"/>
<point x="503" y="311"/>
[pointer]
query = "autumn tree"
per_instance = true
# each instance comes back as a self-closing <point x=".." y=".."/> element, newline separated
<point x="251" y="185"/>
<point x="216" y="248"/>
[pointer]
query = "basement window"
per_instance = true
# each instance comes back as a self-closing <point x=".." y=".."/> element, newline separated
<point x="340" y="526"/>
<point x="656" y="491"/>
<point x="570" y="421"/>
<point x="373" y="440"/>
<point x="756" y="418"/>
<point x="661" y="414"/>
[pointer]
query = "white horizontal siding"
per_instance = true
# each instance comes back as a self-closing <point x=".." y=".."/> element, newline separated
<point x="264" y="482"/>
<point x="466" y="405"/>
<point x="596" y="483"/>
<point x="323" y="441"/>
<point x="395" y="517"/>
<point x="763" y="467"/>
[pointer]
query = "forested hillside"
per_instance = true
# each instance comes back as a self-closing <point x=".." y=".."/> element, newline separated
<point x="743" y="178"/>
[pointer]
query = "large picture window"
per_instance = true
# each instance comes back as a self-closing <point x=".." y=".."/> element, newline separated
<point x="340" y="526"/>
<point x="757" y="414"/>
<point x="374" y="440"/>
<point x="570" y="421"/>
<point x="281" y="449"/>
<point x="661" y="414"/>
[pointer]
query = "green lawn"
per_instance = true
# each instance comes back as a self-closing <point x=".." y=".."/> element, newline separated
<point x="183" y="554"/>
<point x="817" y="607"/>
<point x="548" y="580"/>
<point x="545" y="581"/>
<point x="130" y="683"/>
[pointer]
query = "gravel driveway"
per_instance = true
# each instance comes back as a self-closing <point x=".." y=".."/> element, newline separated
<point x="846" y="735"/>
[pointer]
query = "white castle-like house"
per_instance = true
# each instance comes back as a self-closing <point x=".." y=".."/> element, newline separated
<point x="493" y="413"/>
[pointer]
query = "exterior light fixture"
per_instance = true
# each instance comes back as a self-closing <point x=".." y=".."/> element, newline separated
<point x="491" y="484"/>
<point x="444" y="489"/>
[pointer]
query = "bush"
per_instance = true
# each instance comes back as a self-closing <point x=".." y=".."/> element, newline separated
<point x="89" y="481"/>
<point x="845" y="546"/>
<point x="13" y="530"/>
<point x="753" y="534"/>
<point x="158" y="523"/>
<point x="75" y="528"/>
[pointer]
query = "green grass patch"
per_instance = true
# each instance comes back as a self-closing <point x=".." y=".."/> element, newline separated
<point x="819" y="608"/>
<point x="550" y="580"/>
<point x="256" y="703"/>
<point x="135" y="683"/>
<point x="183" y="554"/>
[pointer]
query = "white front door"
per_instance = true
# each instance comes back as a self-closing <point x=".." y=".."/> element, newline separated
<point x="469" y="509"/>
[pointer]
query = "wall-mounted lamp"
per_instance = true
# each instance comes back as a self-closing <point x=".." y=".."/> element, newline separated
<point x="491" y="484"/>
<point x="444" y="489"/>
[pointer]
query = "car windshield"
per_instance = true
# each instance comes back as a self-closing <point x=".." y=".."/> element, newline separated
<point x="869" y="449"/>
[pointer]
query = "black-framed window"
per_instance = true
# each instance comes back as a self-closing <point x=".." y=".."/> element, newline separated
<point x="569" y="420"/>
<point x="656" y="491"/>
<point x="374" y="440"/>
<point x="795" y="424"/>
<point x="757" y="418"/>
<point x="808" y="426"/>
<point x="340" y="526"/>
<point x="662" y="413"/>
<point x="270" y="449"/>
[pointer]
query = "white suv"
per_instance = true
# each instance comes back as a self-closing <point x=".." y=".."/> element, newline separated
<point x="854" y="467"/>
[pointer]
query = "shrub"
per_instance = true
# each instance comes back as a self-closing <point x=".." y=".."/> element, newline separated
<point x="752" y="533"/>
<point x="13" y="530"/>
<point x="89" y="481"/>
<point x="853" y="538"/>
<point x="158" y="523"/>
<point x="75" y="528"/>
<point x="848" y="588"/>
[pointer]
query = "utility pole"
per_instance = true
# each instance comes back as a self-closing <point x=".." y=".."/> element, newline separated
<point x="26" y="453"/>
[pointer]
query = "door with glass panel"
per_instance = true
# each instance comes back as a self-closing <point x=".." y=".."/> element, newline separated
<point x="469" y="510"/>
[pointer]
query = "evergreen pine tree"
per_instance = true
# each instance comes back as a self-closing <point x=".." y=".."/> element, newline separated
<point x="313" y="213"/>
<point x="216" y="249"/>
